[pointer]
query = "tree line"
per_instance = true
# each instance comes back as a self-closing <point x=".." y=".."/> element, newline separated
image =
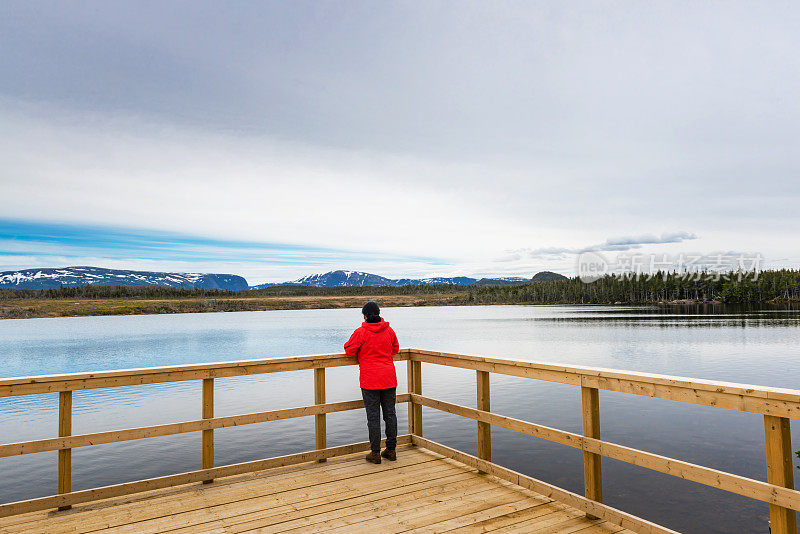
<point x="165" y="292"/>
<point x="776" y="285"/>
<point x="733" y="288"/>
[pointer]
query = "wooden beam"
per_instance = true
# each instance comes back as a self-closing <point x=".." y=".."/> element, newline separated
<point x="129" y="488"/>
<point x="484" y="429"/>
<point x="779" y="471"/>
<point x="320" y="424"/>
<point x="84" y="440"/>
<point x="208" y="434"/>
<point x="30" y="385"/>
<point x="612" y="515"/>
<point x="64" y="455"/>
<point x="742" y="397"/>
<point x="592" y="475"/>
<point x="415" y="387"/>
<point x="748" y="487"/>
<point x="410" y="386"/>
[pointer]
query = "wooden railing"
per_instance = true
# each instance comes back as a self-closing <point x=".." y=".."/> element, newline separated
<point x="777" y="406"/>
<point x="207" y="373"/>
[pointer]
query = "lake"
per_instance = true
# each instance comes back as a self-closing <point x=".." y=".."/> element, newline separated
<point x="755" y="346"/>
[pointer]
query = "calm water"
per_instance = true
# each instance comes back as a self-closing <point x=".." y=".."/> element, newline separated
<point x="757" y="346"/>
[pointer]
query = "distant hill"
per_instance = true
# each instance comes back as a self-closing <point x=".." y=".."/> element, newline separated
<point x="458" y="280"/>
<point x="508" y="281"/>
<point x="99" y="276"/>
<point x="361" y="279"/>
<point x="547" y="276"/>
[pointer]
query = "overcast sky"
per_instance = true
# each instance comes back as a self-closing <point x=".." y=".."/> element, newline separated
<point x="280" y="139"/>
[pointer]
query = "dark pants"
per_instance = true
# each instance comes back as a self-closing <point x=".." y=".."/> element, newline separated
<point x="376" y="400"/>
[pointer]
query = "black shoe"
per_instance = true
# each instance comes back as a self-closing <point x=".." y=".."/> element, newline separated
<point x="389" y="454"/>
<point x="374" y="457"/>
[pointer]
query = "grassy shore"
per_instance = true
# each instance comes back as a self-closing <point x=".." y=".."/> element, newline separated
<point x="31" y="308"/>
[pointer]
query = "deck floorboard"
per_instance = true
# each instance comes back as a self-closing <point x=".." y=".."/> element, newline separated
<point x="422" y="492"/>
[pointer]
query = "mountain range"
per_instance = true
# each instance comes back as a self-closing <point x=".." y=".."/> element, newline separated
<point x="99" y="276"/>
<point x="359" y="279"/>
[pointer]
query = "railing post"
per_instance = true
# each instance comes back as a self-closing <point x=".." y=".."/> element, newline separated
<point x="208" y="435"/>
<point x="320" y="424"/>
<point x="592" y="474"/>
<point x="414" y="371"/>
<point x="484" y="429"/>
<point x="64" y="455"/>
<point x="779" y="471"/>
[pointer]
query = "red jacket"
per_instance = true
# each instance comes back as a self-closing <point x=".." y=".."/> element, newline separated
<point x="374" y="344"/>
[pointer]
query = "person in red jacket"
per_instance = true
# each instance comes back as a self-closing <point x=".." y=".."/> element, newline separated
<point x="374" y="342"/>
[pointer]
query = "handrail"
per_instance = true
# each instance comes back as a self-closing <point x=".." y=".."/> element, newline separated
<point x="777" y="405"/>
<point x="755" y="489"/>
<point x="65" y="500"/>
<point x="170" y="429"/>
<point x="781" y="402"/>
<point x="29" y="385"/>
<point x="65" y="384"/>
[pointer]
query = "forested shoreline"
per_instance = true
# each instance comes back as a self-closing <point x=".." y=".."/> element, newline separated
<point x="729" y="288"/>
<point x="778" y="286"/>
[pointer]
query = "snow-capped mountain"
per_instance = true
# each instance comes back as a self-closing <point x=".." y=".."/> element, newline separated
<point x="360" y="279"/>
<point x="344" y="278"/>
<point x="98" y="276"/>
<point x="462" y="280"/>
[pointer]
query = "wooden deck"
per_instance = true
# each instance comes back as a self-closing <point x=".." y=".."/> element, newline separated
<point x="420" y="492"/>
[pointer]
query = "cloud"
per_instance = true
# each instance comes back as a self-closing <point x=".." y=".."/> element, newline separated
<point x="618" y="244"/>
<point x="449" y="133"/>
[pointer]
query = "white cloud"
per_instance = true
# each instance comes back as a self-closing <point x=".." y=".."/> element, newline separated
<point x="451" y="132"/>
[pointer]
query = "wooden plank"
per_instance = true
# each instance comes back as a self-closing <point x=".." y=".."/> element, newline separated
<point x="755" y="489"/>
<point x="592" y="473"/>
<point x="29" y="385"/>
<point x="139" y="486"/>
<point x="757" y="399"/>
<point x="550" y="523"/>
<point x="270" y="503"/>
<point x="779" y="471"/>
<point x="267" y="498"/>
<point x="743" y="397"/>
<point x="603" y="528"/>
<point x="208" y="435"/>
<point x="320" y="424"/>
<point x="98" y="438"/>
<point x="358" y="499"/>
<point x="574" y="500"/>
<point x="483" y="516"/>
<point x="492" y="524"/>
<point x="410" y="386"/>
<point x="348" y="462"/>
<point x="415" y="383"/>
<point x="484" y="429"/>
<point x="330" y="478"/>
<point x="576" y="525"/>
<point x="64" y="455"/>
<point x="411" y="512"/>
<point x="792" y="395"/>
<point x="363" y="495"/>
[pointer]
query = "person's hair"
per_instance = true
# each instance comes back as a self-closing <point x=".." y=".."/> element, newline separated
<point x="372" y="312"/>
